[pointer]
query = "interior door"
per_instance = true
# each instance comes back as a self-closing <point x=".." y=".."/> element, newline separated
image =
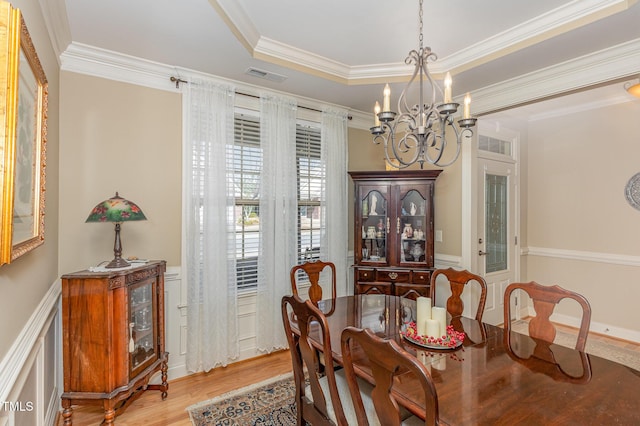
<point x="497" y="239"/>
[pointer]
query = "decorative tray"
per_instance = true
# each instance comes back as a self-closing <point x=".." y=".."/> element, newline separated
<point x="452" y="340"/>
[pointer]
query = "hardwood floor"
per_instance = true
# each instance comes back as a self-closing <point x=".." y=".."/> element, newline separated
<point x="611" y="341"/>
<point x="150" y="410"/>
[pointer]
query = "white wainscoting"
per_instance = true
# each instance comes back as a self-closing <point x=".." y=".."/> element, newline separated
<point x="31" y="371"/>
<point x="175" y="314"/>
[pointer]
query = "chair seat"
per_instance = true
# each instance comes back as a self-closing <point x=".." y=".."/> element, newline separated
<point x="347" y="404"/>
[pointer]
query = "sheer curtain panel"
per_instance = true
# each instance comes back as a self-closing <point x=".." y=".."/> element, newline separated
<point x="333" y="240"/>
<point x="209" y="226"/>
<point x="278" y="217"/>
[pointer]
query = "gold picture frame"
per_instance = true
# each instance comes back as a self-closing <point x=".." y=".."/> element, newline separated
<point x="23" y="127"/>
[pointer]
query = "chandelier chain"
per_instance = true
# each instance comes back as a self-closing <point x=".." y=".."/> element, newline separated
<point x="420" y="38"/>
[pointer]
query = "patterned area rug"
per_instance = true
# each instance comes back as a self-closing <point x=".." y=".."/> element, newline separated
<point x="268" y="403"/>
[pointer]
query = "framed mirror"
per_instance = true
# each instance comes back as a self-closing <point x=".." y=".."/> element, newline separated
<point x="23" y="119"/>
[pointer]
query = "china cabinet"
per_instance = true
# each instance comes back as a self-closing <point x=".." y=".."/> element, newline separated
<point x="113" y="336"/>
<point x="393" y="245"/>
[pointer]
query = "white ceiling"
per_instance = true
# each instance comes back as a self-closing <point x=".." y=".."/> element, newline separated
<point x="343" y="52"/>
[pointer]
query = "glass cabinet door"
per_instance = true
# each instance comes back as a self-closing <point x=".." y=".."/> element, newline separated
<point x="142" y="330"/>
<point x="375" y="223"/>
<point x="412" y="223"/>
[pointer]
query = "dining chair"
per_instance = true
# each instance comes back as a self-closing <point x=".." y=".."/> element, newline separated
<point x="387" y="360"/>
<point x="458" y="279"/>
<point x="545" y="299"/>
<point x="313" y="270"/>
<point x="319" y="402"/>
<point x="539" y="357"/>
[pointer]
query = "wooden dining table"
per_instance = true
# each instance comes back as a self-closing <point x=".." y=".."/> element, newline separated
<point x="491" y="379"/>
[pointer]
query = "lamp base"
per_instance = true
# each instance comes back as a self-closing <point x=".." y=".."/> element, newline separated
<point x="118" y="262"/>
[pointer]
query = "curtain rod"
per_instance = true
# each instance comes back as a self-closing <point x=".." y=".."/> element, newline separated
<point x="178" y="80"/>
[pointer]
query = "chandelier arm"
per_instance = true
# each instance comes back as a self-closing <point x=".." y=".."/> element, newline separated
<point x="466" y="133"/>
<point x="384" y="138"/>
<point x="435" y="146"/>
<point x="403" y="147"/>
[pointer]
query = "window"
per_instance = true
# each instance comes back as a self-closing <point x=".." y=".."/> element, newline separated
<point x="310" y="179"/>
<point x="246" y="163"/>
<point x="498" y="146"/>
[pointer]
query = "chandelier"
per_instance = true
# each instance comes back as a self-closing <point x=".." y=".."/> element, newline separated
<point x="418" y="133"/>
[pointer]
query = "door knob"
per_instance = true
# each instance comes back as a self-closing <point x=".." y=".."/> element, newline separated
<point x="482" y="253"/>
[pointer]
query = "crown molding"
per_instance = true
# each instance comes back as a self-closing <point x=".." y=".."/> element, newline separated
<point x="595" y="68"/>
<point x="54" y="13"/>
<point x="89" y="60"/>
<point x="606" y="65"/>
<point x="557" y="21"/>
<point x="238" y="22"/>
<point x="596" y="104"/>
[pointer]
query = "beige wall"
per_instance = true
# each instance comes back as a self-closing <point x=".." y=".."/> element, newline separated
<point x="364" y="155"/>
<point x="126" y="138"/>
<point x="24" y="282"/>
<point x="578" y="166"/>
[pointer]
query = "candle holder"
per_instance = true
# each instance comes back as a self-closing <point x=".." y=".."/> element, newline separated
<point x="467" y="122"/>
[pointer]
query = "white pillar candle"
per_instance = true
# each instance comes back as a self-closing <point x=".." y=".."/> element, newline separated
<point x="440" y="314"/>
<point x="423" y="313"/>
<point x="433" y="328"/>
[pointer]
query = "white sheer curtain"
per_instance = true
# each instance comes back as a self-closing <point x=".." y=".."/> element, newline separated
<point x="334" y="240"/>
<point x="209" y="226"/>
<point x="278" y="217"/>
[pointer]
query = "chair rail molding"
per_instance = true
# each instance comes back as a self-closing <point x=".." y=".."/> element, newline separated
<point x="586" y="256"/>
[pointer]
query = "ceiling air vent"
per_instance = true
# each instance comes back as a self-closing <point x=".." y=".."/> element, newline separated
<point x="255" y="72"/>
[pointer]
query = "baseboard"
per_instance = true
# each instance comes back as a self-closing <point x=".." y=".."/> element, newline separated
<point x="599" y="328"/>
<point x="595" y="327"/>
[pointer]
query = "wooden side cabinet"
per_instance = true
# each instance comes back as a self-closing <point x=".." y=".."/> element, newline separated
<point x="113" y="337"/>
<point x="394" y="242"/>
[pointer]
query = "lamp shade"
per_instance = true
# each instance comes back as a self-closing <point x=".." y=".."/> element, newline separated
<point x="116" y="209"/>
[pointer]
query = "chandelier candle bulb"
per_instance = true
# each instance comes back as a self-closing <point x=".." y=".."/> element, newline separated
<point x="467" y="106"/>
<point x="386" y="99"/>
<point x="440" y="314"/>
<point x="447" y="88"/>
<point x="376" y="111"/>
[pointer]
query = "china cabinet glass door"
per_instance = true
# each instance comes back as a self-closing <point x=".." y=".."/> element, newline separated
<point x="412" y="223"/>
<point x="375" y="223"/>
<point x="142" y="330"/>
